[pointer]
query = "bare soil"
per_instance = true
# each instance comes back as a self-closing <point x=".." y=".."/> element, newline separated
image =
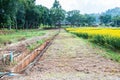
<point x="71" y="58"/>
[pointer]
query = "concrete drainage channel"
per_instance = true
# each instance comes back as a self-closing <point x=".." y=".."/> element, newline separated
<point x="28" y="61"/>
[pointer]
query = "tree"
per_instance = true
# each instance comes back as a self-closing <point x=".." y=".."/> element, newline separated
<point x="73" y="17"/>
<point x="110" y="17"/>
<point x="83" y="20"/>
<point x="116" y="21"/>
<point x="9" y="10"/>
<point x="89" y="19"/>
<point x="44" y="15"/>
<point x="105" y="19"/>
<point x="57" y="13"/>
<point x="21" y="16"/>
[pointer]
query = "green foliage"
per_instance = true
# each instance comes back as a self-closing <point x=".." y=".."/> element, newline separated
<point x="89" y="19"/>
<point x="34" y="45"/>
<point x="113" y="56"/>
<point x="19" y="35"/>
<point x="21" y="14"/>
<point x="113" y="12"/>
<point x="57" y="13"/>
<point x="24" y="14"/>
<point x="83" y="35"/>
<point x="111" y="17"/>
<point x="40" y="42"/>
<point x="105" y="19"/>
<point x="99" y="39"/>
<point x="31" y="47"/>
<point x="108" y="41"/>
<point x="110" y="54"/>
<point x="44" y="15"/>
<point x="75" y="18"/>
<point x="116" y="21"/>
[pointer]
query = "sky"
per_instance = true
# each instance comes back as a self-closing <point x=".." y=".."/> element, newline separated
<point x="85" y="6"/>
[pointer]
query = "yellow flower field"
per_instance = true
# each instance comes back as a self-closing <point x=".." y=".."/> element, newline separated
<point x="109" y="37"/>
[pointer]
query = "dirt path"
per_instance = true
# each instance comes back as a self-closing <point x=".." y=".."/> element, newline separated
<point x="71" y="58"/>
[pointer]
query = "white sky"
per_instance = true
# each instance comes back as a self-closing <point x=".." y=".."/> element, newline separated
<point x="85" y="6"/>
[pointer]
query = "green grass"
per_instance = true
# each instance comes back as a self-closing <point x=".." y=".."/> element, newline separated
<point x="104" y="51"/>
<point x="112" y="55"/>
<point x="34" y="45"/>
<point x="107" y="53"/>
<point x="19" y="35"/>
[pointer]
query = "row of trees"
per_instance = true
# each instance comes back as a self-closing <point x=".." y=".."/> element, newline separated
<point x="109" y="20"/>
<point x="14" y="13"/>
<point x="24" y="14"/>
<point x="75" y="18"/>
<point x="111" y="17"/>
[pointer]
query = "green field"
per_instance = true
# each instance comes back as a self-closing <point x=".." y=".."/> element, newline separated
<point x="19" y="36"/>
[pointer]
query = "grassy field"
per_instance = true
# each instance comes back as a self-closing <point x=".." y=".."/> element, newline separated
<point x="108" y="38"/>
<point x="19" y="36"/>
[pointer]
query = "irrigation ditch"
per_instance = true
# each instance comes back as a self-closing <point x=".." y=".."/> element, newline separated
<point x="26" y="60"/>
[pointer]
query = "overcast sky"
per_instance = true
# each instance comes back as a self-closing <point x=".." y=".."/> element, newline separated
<point x="85" y="6"/>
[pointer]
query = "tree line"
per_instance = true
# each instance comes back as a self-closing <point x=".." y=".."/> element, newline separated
<point x="111" y="17"/>
<point x="24" y="14"/>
